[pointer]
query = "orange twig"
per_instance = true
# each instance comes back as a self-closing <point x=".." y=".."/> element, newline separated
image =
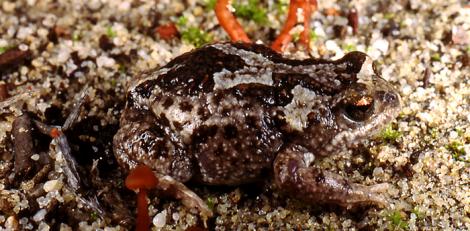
<point x="285" y="37"/>
<point x="230" y="24"/>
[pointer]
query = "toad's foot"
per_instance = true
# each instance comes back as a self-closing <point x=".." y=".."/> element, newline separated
<point x="294" y="175"/>
<point x="179" y="191"/>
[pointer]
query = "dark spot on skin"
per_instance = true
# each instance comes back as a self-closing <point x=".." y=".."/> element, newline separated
<point x="230" y="131"/>
<point x="167" y="103"/>
<point x="218" y="96"/>
<point x="250" y="121"/>
<point x="178" y="126"/>
<point x="219" y="150"/>
<point x="320" y="177"/>
<point x="186" y="106"/>
<point x="195" y="71"/>
<point x="201" y="134"/>
<point x="268" y="95"/>
<point x="163" y="120"/>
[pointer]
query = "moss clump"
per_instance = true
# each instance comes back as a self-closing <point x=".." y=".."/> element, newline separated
<point x="252" y="11"/>
<point x="390" y="135"/>
<point x="397" y="221"/>
<point x="457" y="150"/>
<point x="110" y="32"/>
<point x="191" y="34"/>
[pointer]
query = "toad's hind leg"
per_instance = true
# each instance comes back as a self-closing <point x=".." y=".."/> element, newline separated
<point x="150" y="143"/>
<point x="294" y="176"/>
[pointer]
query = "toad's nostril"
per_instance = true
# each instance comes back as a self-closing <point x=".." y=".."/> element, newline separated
<point x="390" y="97"/>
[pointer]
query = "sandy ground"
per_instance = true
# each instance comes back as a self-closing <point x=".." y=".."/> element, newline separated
<point x="50" y="50"/>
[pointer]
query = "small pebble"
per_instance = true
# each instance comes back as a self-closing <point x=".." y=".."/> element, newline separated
<point x="52" y="185"/>
<point x="8" y="6"/>
<point x="39" y="216"/>
<point x="160" y="219"/>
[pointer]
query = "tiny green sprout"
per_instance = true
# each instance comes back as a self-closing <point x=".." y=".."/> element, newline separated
<point x="195" y="36"/>
<point x="93" y="216"/>
<point x="389" y="16"/>
<point x="313" y="35"/>
<point x="459" y="132"/>
<point x="282" y="6"/>
<point x="457" y="150"/>
<point x="113" y="82"/>
<point x="210" y="203"/>
<point x="418" y="213"/>
<point x="75" y="36"/>
<point x="252" y="11"/>
<point x="434" y="133"/>
<point x="389" y="134"/>
<point x="330" y="228"/>
<point x="3" y="49"/>
<point x="122" y="68"/>
<point x="210" y="4"/>
<point x="110" y="32"/>
<point x="468" y="49"/>
<point x="436" y="57"/>
<point x="349" y="47"/>
<point x="295" y="37"/>
<point x="397" y="220"/>
<point x="182" y="21"/>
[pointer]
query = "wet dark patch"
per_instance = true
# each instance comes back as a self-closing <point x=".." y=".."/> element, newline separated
<point x="145" y="89"/>
<point x="354" y="61"/>
<point x="195" y="70"/>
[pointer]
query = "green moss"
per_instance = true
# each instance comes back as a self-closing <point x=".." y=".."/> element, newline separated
<point x="389" y="134"/>
<point x="192" y="34"/>
<point x="5" y="48"/>
<point x="110" y="32"/>
<point x="282" y="6"/>
<point x="397" y="220"/>
<point x="434" y="133"/>
<point x="419" y="215"/>
<point x="76" y="36"/>
<point x="195" y="36"/>
<point x="313" y="35"/>
<point x="210" y="202"/>
<point x="94" y="216"/>
<point x="182" y="21"/>
<point x="252" y="11"/>
<point x="457" y="150"/>
<point x="210" y="4"/>
<point x="349" y="47"/>
<point x="436" y="57"/>
<point x="389" y="16"/>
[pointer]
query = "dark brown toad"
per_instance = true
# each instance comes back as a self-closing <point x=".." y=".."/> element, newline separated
<point x="228" y="113"/>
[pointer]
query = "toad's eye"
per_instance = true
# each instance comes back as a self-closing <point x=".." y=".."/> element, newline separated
<point x="360" y="109"/>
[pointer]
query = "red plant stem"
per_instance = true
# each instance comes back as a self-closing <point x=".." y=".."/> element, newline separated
<point x="230" y="24"/>
<point x="143" y="218"/>
<point x="285" y="37"/>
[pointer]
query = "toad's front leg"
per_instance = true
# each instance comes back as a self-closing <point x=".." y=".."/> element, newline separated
<point x="294" y="175"/>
